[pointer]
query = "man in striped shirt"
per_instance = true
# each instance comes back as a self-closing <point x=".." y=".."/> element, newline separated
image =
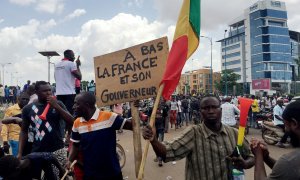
<point x="206" y="146"/>
<point x="94" y="131"/>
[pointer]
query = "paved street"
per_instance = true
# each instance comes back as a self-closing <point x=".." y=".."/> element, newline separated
<point x="176" y="171"/>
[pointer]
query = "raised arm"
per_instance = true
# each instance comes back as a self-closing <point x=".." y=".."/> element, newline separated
<point x="61" y="110"/>
<point x="77" y="73"/>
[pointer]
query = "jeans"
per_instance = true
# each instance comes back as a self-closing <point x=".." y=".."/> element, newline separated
<point x="253" y="122"/>
<point x="160" y="135"/>
<point x="14" y="147"/>
<point x="186" y="117"/>
<point x="179" y="119"/>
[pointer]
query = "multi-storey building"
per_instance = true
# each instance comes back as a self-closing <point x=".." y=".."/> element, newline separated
<point x="260" y="48"/>
<point x="197" y="81"/>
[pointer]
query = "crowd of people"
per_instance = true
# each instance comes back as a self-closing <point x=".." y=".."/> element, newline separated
<point x="48" y="128"/>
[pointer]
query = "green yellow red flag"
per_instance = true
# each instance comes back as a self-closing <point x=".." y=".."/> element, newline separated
<point x="185" y="42"/>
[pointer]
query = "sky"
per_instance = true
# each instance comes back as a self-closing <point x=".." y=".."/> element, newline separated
<point x="95" y="27"/>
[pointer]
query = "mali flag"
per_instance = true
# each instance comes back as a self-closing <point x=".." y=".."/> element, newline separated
<point x="185" y="42"/>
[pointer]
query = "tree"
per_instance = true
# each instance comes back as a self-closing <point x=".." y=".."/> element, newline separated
<point x="231" y="82"/>
<point x="84" y="85"/>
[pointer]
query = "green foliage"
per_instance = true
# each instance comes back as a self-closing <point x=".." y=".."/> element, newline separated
<point x="84" y="85"/>
<point x="231" y="82"/>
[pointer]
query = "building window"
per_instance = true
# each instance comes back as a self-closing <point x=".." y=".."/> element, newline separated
<point x="276" y="23"/>
<point x="231" y="47"/>
<point x="232" y="62"/>
<point x="231" y="55"/>
<point x="276" y="3"/>
<point x="236" y="69"/>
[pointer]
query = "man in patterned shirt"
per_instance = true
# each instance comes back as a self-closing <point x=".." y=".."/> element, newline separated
<point x="47" y="134"/>
<point x="207" y="147"/>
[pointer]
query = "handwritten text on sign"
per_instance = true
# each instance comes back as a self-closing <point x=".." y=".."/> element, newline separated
<point x="130" y="74"/>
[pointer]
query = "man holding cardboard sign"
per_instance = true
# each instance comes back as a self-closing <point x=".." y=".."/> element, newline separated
<point x="94" y="132"/>
<point x="131" y="74"/>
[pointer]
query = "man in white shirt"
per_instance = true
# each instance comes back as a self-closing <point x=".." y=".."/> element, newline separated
<point x="278" y="121"/>
<point x="173" y="112"/>
<point x="228" y="113"/>
<point x="65" y="73"/>
<point x="234" y="101"/>
<point x="179" y="118"/>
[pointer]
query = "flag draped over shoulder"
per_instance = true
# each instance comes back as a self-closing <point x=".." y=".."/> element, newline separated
<point x="185" y="42"/>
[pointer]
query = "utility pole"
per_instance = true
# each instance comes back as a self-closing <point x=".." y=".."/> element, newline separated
<point x="226" y="86"/>
<point x="3" y="66"/>
<point x="211" y="70"/>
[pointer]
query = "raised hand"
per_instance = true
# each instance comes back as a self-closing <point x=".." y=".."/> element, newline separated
<point x="78" y="63"/>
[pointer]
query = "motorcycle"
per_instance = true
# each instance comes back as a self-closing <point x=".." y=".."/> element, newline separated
<point x="263" y="116"/>
<point x="271" y="134"/>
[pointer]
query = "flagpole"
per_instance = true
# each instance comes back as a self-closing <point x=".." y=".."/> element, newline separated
<point x="137" y="144"/>
<point x="152" y="121"/>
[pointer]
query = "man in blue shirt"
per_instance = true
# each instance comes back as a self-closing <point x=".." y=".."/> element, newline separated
<point x="92" y="87"/>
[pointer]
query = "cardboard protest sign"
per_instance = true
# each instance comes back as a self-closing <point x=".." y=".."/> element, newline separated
<point x="130" y="74"/>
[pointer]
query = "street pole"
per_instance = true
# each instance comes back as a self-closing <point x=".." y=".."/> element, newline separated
<point x="211" y="70"/>
<point x="226" y="87"/>
<point x="3" y="66"/>
<point x="48" y="69"/>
